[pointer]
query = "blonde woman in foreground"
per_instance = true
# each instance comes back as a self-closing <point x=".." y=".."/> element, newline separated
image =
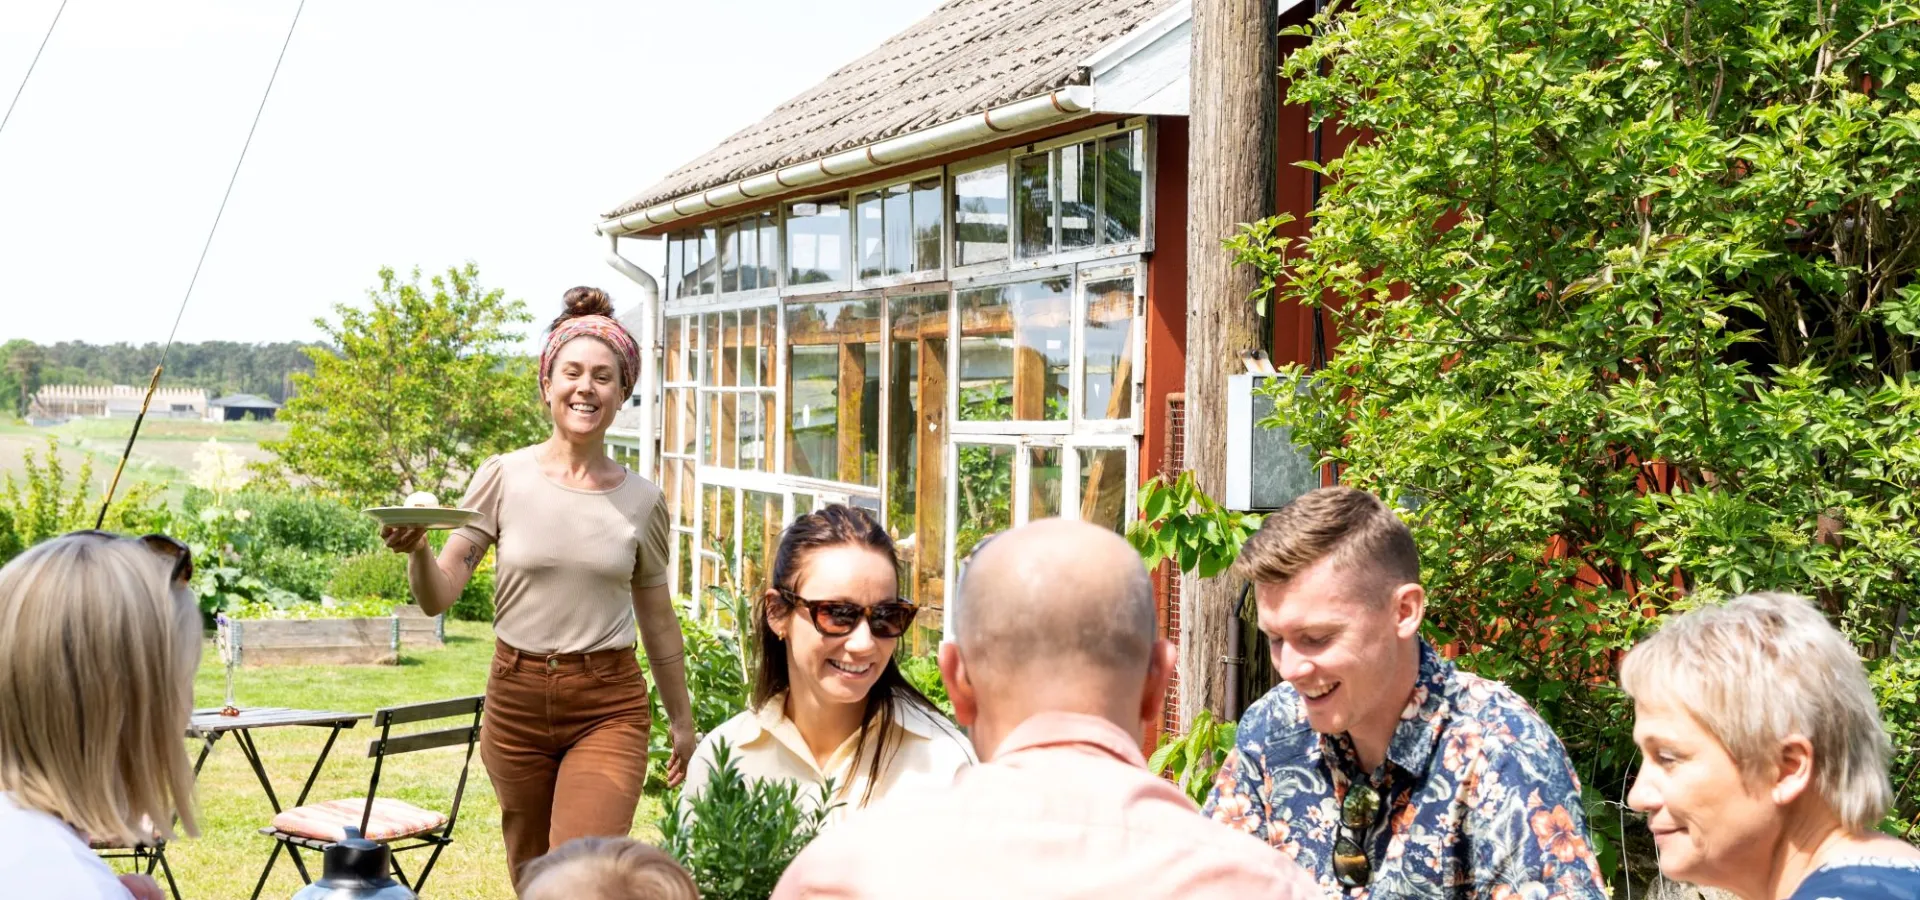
<point x="99" y="642"/>
<point x="1764" y="763"/>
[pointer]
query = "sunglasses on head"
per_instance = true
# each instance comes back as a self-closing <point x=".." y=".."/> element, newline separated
<point x="1350" y="864"/>
<point x="170" y="548"/>
<point x="838" y="618"/>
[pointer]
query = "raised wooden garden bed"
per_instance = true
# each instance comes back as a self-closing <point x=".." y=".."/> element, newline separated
<point x="417" y="629"/>
<point x="307" y="642"/>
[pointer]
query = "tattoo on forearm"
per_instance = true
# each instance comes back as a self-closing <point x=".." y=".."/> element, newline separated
<point x="473" y="558"/>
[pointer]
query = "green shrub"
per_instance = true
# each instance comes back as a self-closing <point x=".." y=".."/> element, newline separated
<point x="737" y="836"/>
<point x="378" y="574"/>
<point x="308" y="522"/>
<point x="476" y="599"/>
<point x="368" y="608"/>
<point x="290" y="569"/>
<point x="716" y="667"/>
<point x="923" y="672"/>
<point x="44" y="503"/>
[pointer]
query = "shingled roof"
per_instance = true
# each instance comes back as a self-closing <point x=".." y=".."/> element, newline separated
<point x="967" y="56"/>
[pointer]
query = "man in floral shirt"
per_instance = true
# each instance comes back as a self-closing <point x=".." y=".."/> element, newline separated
<point x="1376" y="765"/>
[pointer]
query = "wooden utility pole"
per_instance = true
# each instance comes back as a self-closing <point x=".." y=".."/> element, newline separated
<point x="1234" y="111"/>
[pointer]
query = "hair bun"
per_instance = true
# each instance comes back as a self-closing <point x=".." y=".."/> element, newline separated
<point x="587" y="301"/>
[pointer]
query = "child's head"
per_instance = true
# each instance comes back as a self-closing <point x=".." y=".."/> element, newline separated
<point x="603" y="868"/>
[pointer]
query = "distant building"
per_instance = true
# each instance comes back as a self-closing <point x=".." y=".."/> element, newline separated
<point x="60" y="402"/>
<point x="235" y="407"/>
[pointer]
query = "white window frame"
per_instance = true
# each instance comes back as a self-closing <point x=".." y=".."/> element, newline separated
<point x="849" y="277"/>
<point x="936" y="274"/>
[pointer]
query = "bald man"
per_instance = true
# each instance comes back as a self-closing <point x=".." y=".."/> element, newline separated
<point x="1055" y="667"/>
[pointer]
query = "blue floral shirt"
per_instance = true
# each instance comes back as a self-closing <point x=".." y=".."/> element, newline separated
<point x="1477" y="797"/>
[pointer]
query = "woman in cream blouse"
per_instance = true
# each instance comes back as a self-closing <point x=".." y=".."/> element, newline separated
<point x="828" y="700"/>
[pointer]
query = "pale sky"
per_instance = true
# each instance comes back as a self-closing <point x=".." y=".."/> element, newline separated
<point x="399" y="132"/>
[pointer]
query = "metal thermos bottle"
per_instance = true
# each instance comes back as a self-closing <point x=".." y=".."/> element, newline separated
<point x="356" y="869"/>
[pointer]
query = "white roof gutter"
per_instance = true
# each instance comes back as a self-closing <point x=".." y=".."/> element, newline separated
<point x="1066" y="103"/>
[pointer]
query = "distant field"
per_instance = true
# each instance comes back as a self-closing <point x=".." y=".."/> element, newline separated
<point x="163" y="455"/>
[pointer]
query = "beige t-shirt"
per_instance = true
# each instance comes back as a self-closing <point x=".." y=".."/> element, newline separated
<point x="568" y="559"/>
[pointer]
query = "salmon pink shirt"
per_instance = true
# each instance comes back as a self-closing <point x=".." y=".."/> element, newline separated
<point x="1066" y="808"/>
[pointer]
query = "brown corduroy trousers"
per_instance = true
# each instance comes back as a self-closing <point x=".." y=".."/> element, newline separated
<point x="565" y="744"/>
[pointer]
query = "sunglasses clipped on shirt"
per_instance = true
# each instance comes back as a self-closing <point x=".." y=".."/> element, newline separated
<point x="164" y="546"/>
<point x="838" y="618"/>
<point x="1357" y="814"/>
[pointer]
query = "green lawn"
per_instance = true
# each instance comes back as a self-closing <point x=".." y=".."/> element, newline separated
<point x="225" y="861"/>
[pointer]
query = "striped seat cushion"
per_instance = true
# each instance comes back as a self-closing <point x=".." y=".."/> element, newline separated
<point x="391" y="820"/>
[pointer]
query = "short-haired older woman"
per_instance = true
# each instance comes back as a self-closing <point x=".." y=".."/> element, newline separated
<point x="97" y="654"/>
<point x="1764" y="763"/>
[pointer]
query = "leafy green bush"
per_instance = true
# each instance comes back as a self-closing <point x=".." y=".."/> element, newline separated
<point x="716" y="667"/>
<point x="1180" y="522"/>
<point x="367" y="608"/>
<point x="737" y="835"/>
<point x="377" y="574"/>
<point x="475" y="603"/>
<point x="923" y="672"/>
<point x="1194" y="758"/>
<point x="309" y="522"/>
<point x="290" y="569"/>
<point x="43" y="503"/>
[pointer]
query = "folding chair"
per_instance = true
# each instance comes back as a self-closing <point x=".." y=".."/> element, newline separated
<point x="400" y="825"/>
<point x="146" y="858"/>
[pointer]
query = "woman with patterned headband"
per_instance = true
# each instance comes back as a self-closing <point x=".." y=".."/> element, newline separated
<point x="582" y="547"/>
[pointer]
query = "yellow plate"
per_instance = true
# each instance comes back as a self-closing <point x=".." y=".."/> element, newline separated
<point x="440" y="517"/>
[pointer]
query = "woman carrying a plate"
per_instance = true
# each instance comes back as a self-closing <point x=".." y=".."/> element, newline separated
<point x="582" y="546"/>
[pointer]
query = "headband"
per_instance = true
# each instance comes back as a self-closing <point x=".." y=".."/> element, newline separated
<point x="607" y="330"/>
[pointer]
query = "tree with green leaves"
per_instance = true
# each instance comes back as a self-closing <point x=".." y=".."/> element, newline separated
<point x="21" y="365"/>
<point x="1627" y="313"/>
<point x="422" y="388"/>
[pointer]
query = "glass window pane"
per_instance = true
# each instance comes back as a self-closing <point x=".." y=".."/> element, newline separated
<point x="769" y="256"/>
<point x="1123" y="169"/>
<point x="916" y="473"/>
<point x="675" y="349"/>
<point x="1043" y="483"/>
<point x="749" y="243"/>
<point x="802" y="505"/>
<point x="750" y="348"/>
<point x="769" y="334"/>
<point x="898" y="222"/>
<point x="709" y="264"/>
<point x="1075" y="178"/>
<point x="986" y="494"/>
<point x="683" y="564"/>
<point x="980" y="216"/>
<point x="868" y="245"/>
<point x="1014" y="346"/>
<point x="833" y="390"/>
<point x="689" y="265"/>
<point x="672" y="283"/>
<point x="816" y="241"/>
<point x="687" y="494"/>
<point x="1103" y="487"/>
<point x="729" y="431"/>
<point x="1032" y="205"/>
<point x="753" y="450"/>
<point x="696" y="352"/>
<point x="710" y="430"/>
<point x="674" y="431"/>
<point x="926" y="225"/>
<point x="1107" y="389"/>
<point x="716" y="367"/>
<point x="759" y="539"/>
<point x="729" y="258"/>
